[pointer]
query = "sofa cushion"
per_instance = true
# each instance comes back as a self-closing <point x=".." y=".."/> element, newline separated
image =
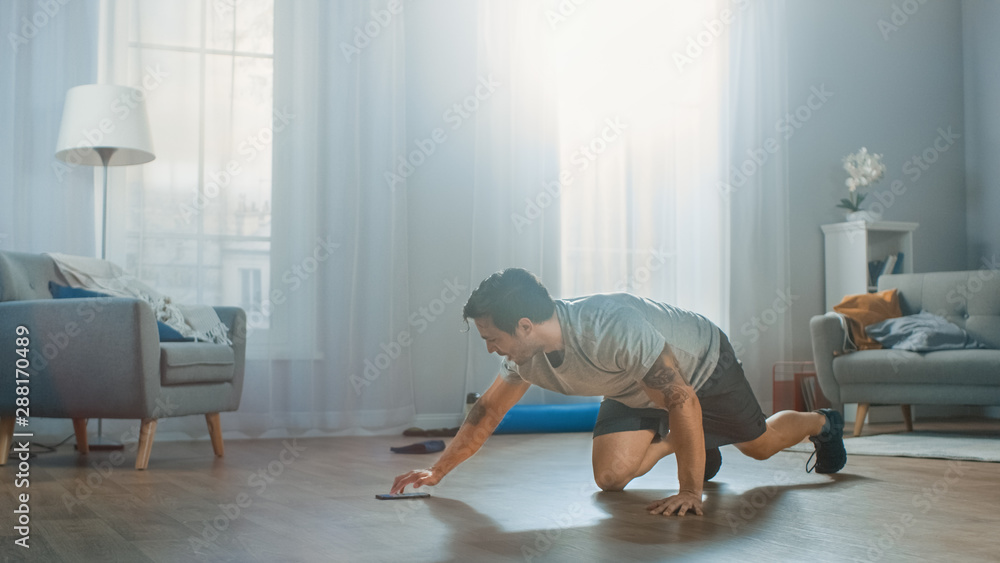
<point x="183" y="363"/>
<point x="26" y="276"/>
<point x="948" y="367"/>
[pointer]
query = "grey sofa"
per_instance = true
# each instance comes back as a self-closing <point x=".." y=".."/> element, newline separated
<point x="969" y="299"/>
<point x="102" y="358"/>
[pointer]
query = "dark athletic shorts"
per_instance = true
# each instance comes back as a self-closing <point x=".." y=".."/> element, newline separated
<point x="730" y="413"/>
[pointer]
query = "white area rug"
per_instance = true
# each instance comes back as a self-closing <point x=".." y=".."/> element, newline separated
<point x="940" y="445"/>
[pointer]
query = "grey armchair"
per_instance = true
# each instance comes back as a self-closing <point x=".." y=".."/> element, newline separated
<point x="102" y="358"/>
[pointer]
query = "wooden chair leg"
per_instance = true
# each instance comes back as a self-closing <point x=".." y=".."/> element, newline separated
<point x="6" y="437"/>
<point x="907" y="418"/>
<point x="146" y="432"/>
<point x="80" y="429"/>
<point x="859" y="419"/>
<point x="215" y="431"/>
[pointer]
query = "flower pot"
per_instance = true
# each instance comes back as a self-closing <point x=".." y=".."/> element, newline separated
<point x="862" y="215"/>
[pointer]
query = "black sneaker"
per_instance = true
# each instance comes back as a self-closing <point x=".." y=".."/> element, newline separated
<point x="830" y="453"/>
<point x="713" y="461"/>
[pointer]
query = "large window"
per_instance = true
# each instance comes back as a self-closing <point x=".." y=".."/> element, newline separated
<point x="199" y="216"/>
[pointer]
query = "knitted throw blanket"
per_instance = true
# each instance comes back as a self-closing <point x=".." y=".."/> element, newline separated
<point x="200" y="322"/>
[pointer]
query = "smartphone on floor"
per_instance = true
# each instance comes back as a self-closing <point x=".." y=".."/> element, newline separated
<point x="389" y="496"/>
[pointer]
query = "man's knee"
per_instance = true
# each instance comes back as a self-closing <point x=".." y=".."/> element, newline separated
<point x="609" y="481"/>
<point x="760" y="454"/>
<point x="614" y="476"/>
<point x="757" y="450"/>
<point x="618" y="457"/>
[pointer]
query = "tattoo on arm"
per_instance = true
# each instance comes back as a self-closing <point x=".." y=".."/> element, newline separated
<point x="476" y="414"/>
<point x="665" y="378"/>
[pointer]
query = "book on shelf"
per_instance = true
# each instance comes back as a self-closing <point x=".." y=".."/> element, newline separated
<point x="874" y="267"/>
<point x="888" y="265"/>
<point x="891" y="264"/>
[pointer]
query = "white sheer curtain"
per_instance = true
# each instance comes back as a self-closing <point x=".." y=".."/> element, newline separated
<point x="45" y="205"/>
<point x="515" y="217"/>
<point x="658" y="105"/>
<point x="758" y="193"/>
<point x="315" y="250"/>
<point x="339" y="356"/>
<point x="196" y="222"/>
<point x="641" y="152"/>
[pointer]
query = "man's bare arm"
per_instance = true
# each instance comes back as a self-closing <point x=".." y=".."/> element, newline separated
<point x="665" y="384"/>
<point x="483" y="419"/>
<point x="479" y="425"/>
<point x="666" y="387"/>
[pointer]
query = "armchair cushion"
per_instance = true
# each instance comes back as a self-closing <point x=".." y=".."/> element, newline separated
<point x="195" y="362"/>
<point x="167" y="334"/>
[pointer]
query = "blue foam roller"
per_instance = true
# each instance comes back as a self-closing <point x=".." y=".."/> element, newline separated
<point x="525" y="419"/>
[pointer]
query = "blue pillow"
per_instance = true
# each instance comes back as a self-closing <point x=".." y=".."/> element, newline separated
<point x="923" y="332"/>
<point x="63" y="292"/>
<point x="167" y="334"/>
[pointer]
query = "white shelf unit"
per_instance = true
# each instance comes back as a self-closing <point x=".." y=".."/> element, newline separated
<point x="850" y="245"/>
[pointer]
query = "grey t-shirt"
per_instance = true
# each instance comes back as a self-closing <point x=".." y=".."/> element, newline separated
<point x="612" y="340"/>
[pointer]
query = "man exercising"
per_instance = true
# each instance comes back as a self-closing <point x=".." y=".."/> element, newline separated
<point x="670" y="380"/>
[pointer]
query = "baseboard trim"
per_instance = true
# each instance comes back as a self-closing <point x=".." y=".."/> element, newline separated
<point x="440" y="420"/>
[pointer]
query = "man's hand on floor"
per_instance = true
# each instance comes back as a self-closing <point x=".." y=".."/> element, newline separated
<point x="680" y="503"/>
<point x="417" y="478"/>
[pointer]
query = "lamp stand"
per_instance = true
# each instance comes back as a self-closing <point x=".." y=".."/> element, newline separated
<point x="101" y="444"/>
<point x="106" y="153"/>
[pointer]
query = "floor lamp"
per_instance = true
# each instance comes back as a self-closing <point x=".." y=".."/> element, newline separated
<point x="104" y="125"/>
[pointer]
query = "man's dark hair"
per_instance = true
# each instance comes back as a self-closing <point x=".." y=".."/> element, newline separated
<point x="509" y="296"/>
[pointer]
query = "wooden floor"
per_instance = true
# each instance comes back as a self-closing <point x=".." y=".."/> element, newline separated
<point x="523" y="498"/>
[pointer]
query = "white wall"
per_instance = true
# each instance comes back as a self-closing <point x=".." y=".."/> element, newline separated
<point x="980" y="23"/>
<point x="981" y="33"/>
<point x="892" y="91"/>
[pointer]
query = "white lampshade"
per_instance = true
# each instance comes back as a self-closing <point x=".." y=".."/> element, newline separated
<point x="104" y="116"/>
